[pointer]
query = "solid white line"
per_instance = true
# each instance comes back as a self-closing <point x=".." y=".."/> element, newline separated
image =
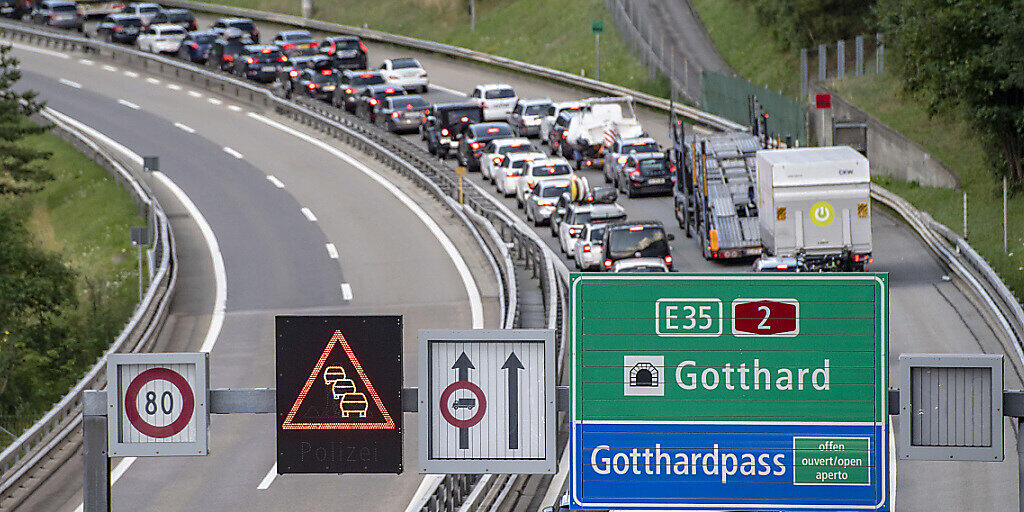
<point x="129" y="104"/>
<point x="273" y="179"/>
<point x="131" y="74"/>
<point x="109" y="68"/>
<point x="447" y="90"/>
<point x="269" y="479"/>
<point x="195" y="94"/>
<point x="332" y="251"/>
<point x="346" y="291"/>
<point x="232" y="152"/>
<point x="234" y="108"/>
<point x="309" y="214"/>
<point x="39" y="50"/>
<point x="67" y="82"/>
<point x="475" y="302"/>
<point x="174" y="87"/>
<point x="153" y="80"/>
<point x="185" y="127"/>
<point x="215" y="101"/>
<point x="87" y="62"/>
<point x="115" y="475"/>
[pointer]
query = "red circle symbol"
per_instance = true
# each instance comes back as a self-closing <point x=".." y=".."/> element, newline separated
<point x="481" y="407"/>
<point x="187" y="402"/>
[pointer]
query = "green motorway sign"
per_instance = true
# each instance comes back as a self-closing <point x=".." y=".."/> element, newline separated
<point x="788" y="370"/>
<point x="597" y="26"/>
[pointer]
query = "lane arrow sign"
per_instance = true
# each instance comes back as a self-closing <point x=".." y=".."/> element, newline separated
<point x="462" y="366"/>
<point x="513" y="365"/>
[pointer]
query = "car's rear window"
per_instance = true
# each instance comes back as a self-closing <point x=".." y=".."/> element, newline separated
<point x="128" y="22"/>
<point x="347" y="44"/>
<point x="497" y="94"/>
<point x="522" y="147"/>
<point x="267" y="56"/>
<point x="244" y="26"/>
<point x="149" y="9"/>
<point x="653" y="166"/>
<point x="520" y="164"/>
<point x="625" y="242"/>
<point x="320" y="78"/>
<point x="596" y="234"/>
<point x="297" y="36"/>
<point x="404" y="64"/>
<point x="641" y="147"/>
<point x="535" y="110"/>
<point x="367" y="79"/>
<point x="551" y="170"/>
<point x="408" y="102"/>
<point x="643" y="268"/>
<point x="580" y="218"/>
<point x="472" y="115"/>
<point x="554" y="190"/>
<point x="64" y="8"/>
<point x="203" y="38"/>
<point x="178" y="31"/>
<point x="178" y="17"/>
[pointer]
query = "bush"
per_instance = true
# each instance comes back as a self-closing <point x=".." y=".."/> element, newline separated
<point x="804" y="23"/>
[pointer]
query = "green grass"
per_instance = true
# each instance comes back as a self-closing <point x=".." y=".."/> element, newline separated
<point x="84" y="216"/>
<point x="748" y="47"/>
<point x="950" y="140"/>
<point x="549" y="33"/>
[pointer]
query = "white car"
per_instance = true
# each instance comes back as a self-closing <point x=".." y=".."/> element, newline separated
<point x="163" y="38"/>
<point x="590" y="247"/>
<point x="547" y="121"/>
<point x="407" y="73"/>
<point x="146" y="11"/>
<point x="576" y="218"/>
<point x="639" y="265"/>
<point x="497" y="100"/>
<point x="511" y="168"/>
<point x="541" y="169"/>
<point x="496" y="150"/>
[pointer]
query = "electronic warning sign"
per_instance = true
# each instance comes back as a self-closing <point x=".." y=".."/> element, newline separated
<point x="339" y="403"/>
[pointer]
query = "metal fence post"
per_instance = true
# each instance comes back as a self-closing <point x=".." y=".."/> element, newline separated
<point x="803" y="73"/>
<point x="96" y="488"/>
<point x="822" y="62"/>
<point x="858" y="66"/>
<point x="879" y="54"/>
<point x="841" y="59"/>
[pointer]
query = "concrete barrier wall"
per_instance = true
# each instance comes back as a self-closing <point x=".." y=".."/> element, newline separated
<point x="890" y="153"/>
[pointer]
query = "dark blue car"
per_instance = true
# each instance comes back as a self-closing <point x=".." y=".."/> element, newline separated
<point x="196" y="46"/>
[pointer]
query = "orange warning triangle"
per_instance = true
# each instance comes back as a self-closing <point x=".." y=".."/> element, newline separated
<point x="289" y="424"/>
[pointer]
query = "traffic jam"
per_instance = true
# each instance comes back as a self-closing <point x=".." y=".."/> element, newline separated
<point x="564" y="164"/>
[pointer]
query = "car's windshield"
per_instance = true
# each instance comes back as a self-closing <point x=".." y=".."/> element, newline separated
<point x="404" y="64"/>
<point x="497" y="94"/>
<point x="554" y="190"/>
<point x="535" y="110"/>
<point x="652" y="166"/>
<point x="551" y="170"/>
<point x="625" y="242"/>
<point x="641" y="147"/>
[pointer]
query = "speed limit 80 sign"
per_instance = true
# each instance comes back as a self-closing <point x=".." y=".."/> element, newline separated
<point x="156" y="404"/>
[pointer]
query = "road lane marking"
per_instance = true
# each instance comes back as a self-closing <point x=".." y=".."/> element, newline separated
<point x="174" y="87"/>
<point x="69" y="83"/>
<point x="447" y="90"/>
<point x="87" y="62"/>
<point x="153" y="80"/>
<point x="215" y="101"/>
<point x="129" y="104"/>
<point x="131" y="74"/>
<point x="332" y="251"/>
<point x="234" y="108"/>
<point x="472" y="291"/>
<point x="39" y="50"/>
<point x="346" y="291"/>
<point x="277" y="183"/>
<point x="195" y="94"/>
<point x="115" y="474"/>
<point x="309" y="214"/>
<point x="185" y="127"/>
<point x="108" y="67"/>
<point x="233" y="153"/>
<point x="269" y="479"/>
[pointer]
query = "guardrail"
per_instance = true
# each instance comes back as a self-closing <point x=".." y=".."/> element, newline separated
<point x="22" y="457"/>
<point x="577" y="81"/>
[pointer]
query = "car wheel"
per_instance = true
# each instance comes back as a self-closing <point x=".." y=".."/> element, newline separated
<point x="607" y="177"/>
<point x="432" y="149"/>
<point x="630" y="193"/>
<point x="519" y="202"/>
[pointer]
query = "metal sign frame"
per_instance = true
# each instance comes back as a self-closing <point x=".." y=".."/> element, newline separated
<point x="547" y="465"/>
<point x="200" y="413"/>
<point x="909" y="451"/>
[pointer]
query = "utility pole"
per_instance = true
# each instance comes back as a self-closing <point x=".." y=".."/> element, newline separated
<point x="1005" y="246"/>
<point x="597" y="27"/>
<point x="472" y="15"/>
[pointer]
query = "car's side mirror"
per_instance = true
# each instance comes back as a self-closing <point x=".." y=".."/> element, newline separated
<point x="671" y="237"/>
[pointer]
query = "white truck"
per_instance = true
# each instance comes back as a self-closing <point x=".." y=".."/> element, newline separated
<point x="590" y="134"/>
<point x="815" y="206"/>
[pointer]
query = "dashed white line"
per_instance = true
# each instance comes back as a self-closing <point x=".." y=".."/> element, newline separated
<point x="277" y="183"/>
<point x="346" y="291"/>
<point x="174" y="87"/>
<point x="108" y="67"/>
<point x="447" y="90"/>
<point x="215" y="101"/>
<point x="153" y="80"/>
<point x="332" y="251"/>
<point x="195" y="94"/>
<point x="131" y="74"/>
<point x="269" y="479"/>
<point x="185" y="127"/>
<point x="116" y="474"/>
<point x="309" y="215"/>
<point x="40" y="50"/>
<point x="69" y="83"/>
<point x="234" y="108"/>
<point x="87" y="62"/>
<point x="129" y="104"/>
<point x="232" y="152"/>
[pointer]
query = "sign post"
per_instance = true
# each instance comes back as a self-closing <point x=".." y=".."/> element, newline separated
<point x="487" y="401"/>
<point x="724" y="392"/>
<point x="597" y="27"/>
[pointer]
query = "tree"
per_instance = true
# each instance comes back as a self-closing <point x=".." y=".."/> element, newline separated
<point x="803" y="23"/>
<point x="18" y="174"/>
<point x="966" y="56"/>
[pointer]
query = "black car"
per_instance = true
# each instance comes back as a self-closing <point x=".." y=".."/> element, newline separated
<point x="57" y="13"/>
<point x="402" y="113"/>
<point x="645" y="173"/>
<point x="181" y="17"/>
<point x="636" y="239"/>
<point x="289" y="74"/>
<point x="259" y="62"/>
<point x="317" y="83"/>
<point x="558" y="134"/>
<point x="225" y="49"/>
<point x="295" y="42"/>
<point x="443" y="127"/>
<point x="196" y="46"/>
<point x="346" y="52"/>
<point x="351" y="84"/>
<point x="15" y="8"/>
<point x="370" y="99"/>
<point x="244" y="24"/>
<point x="475" y="137"/>
<point x="119" y="28"/>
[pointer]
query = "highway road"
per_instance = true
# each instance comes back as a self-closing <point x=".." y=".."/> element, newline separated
<point x="929" y="313"/>
<point x="277" y="261"/>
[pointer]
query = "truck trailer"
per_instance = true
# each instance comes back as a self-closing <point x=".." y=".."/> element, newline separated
<point x="815" y="206"/>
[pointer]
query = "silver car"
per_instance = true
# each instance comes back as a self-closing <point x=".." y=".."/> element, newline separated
<point x="507" y="173"/>
<point x="402" y="113"/>
<point x="578" y="215"/>
<point x="639" y="265"/>
<point x="527" y="115"/>
<point x="541" y="201"/>
<point x="590" y="247"/>
<point x="620" y="150"/>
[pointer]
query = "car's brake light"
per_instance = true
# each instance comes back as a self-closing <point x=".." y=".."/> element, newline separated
<point x="531" y="183"/>
<point x="366" y="75"/>
<point x="589" y="163"/>
<point x="293" y="73"/>
<point x="195" y="46"/>
<point x="636" y="228"/>
<point x="288" y="46"/>
<point x="496" y="160"/>
<point x="493" y="130"/>
<point x="373" y="101"/>
<point x="395" y="115"/>
<point x="228" y="58"/>
<point x="638" y="144"/>
<point x="314" y="44"/>
<point x="389" y="91"/>
<point x="349" y="90"/>
<point x="574" y="231"/>
<point x="423" y="74"/>
<point x="283" y="58"/>
<point x="249" y="60"/>
<point x="782" y="267"/>
<point x="607" y="263"/>
<point x="672" y="168"/>
<point x="634" y="174"/>
<point x="363" y="47"/>
<point x="118" y="28"/>
<point x="266" y="50"/>
<point x="511" y="174"/>
<point x="426" y="112"/>
<point x="444" y="131"/>
<point x="565" y="134"/>
<point x="326" y="72"/>
<point x="476" y="145"/>
<point x="668" y="259"/>
<point x="621" y="160"/>
<point x="311" y="86"/>
<point x="585" y="248"/>
<point x="464" y="119"/>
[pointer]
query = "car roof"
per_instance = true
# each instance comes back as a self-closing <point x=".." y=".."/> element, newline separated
<point x="403" y="97"/>
<point x="647" y="156"/>
<point x="383" y="88"/>
<point x="124" y="16"/>
<point x="234" y="20"/>
<point x="634" y="140"/>
<point x="59" y="2"/>
<point x="359" y="72"/>
<point x="202" y="33"/>
<point x="413" y="59"/>
<point x="477" y="127"/>
<point x="455" y="105"/>
<point x="494" y="86"/>
<point x="549" y="161"/>
<point x="165" y="26"/>
<point x="645" y="223"/>
<point x="556" y="182"/>
<point x="294" y="33"/>
<point x="529" y="155"/>
<point x="143" y="4"/>
<point x="342" y="38"/>
<point x="177" y="11"/>
<point x="546" y="101"/>
<point x="510" y="141"/>
<point x="260" y="47"/>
